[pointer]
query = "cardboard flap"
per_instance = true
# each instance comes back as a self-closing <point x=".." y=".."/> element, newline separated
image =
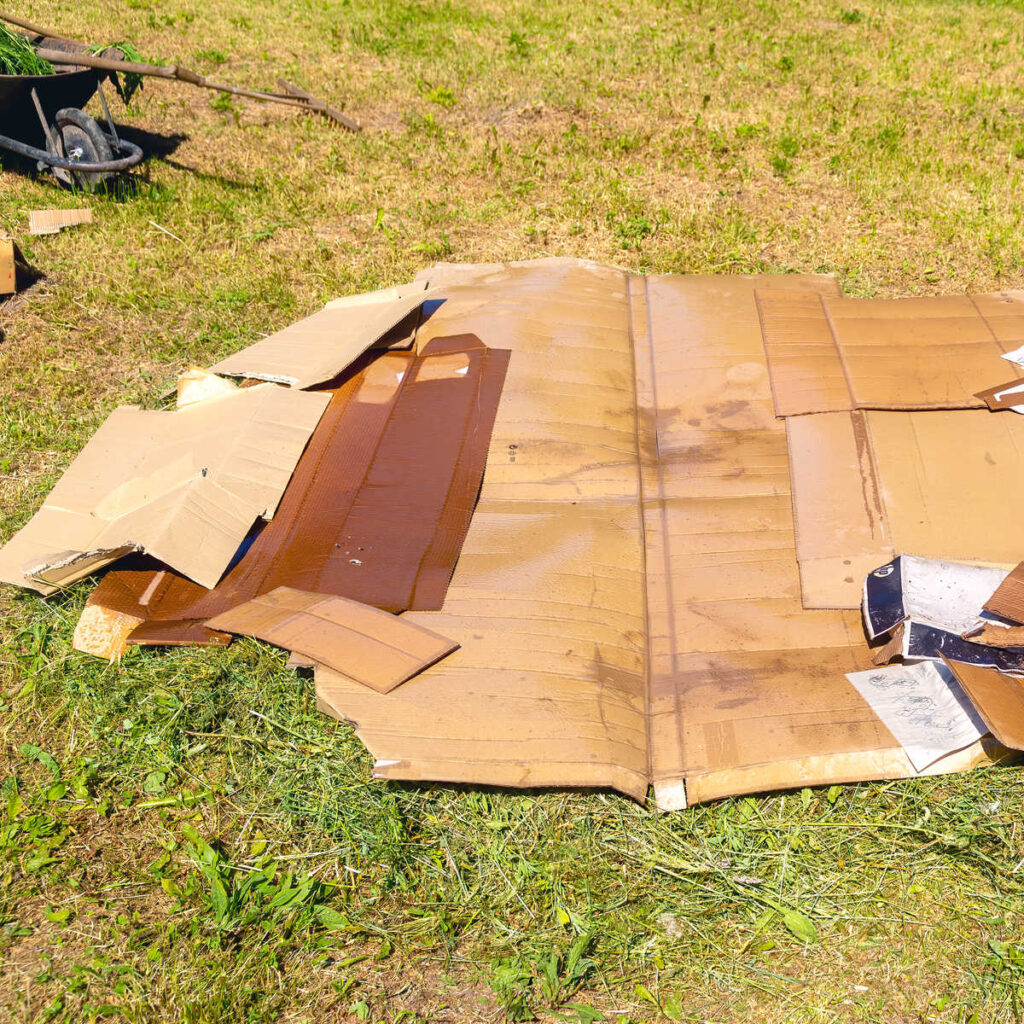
<point x="999" y="699"/>
<point x="317" y="349"/>
<point x="185" y="486"/>
<point x="370" y="646"/>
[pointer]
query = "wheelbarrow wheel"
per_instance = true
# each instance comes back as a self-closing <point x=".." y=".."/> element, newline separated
<point x="78" y="137"/>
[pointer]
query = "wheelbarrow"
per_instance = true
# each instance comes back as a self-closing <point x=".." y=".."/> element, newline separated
<point x="41" y="120"/>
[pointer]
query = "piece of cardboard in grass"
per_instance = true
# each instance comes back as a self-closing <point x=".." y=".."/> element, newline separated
<point x="50" y="222"/>
<point x="8" y="280"/>
<point x="369" y="646"/>
<point x="831" y="354"/>
<point x="317" y="349"/>
<point x="1004" y="396"/>
<point x="378" y="506"/>
<point x="185" y="486"/>
<point x="627" y="618"/>
<point x="870" y="483"/>
<point x="627" y="598"/>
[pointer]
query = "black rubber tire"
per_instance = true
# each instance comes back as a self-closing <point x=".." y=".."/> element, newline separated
<point x="78" y="136"/>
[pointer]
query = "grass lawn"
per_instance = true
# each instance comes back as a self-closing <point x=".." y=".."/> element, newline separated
<point x="183" y="837"/>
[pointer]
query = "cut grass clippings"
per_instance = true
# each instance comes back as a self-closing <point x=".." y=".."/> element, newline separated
<point x="183" y="836"/>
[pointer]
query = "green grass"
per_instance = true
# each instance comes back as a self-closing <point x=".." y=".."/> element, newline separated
<point x="183" y="836"/>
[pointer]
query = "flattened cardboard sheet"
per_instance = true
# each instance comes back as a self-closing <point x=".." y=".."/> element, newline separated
<point x="372" y="647"/>
<point x="557" y="600"/>
<point x="378" y="506"/>
<point x="185" y="486"/>
<point x="319" y="348"/>
<point x="869" y="483"/>
<point x="627" y="598"/>
<point x="1008" y="600"/>
<point x="830" y="354"/>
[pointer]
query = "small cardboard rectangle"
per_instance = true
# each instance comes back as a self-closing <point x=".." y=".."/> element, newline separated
<point x="49" y="222"/>
<point x="372" y="647"/>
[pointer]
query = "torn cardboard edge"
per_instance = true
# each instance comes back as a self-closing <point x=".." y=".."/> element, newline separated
<point x="50" y="222"/>
<point x="184" y="486"/>
<point x="316" y="350"/>
<point x="372" y="647"/>
<point x="997" y="697"/>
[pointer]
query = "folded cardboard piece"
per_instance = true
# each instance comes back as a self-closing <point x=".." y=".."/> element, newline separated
<point x="377" y="508"/>
<point x="1007" y="602"/>
<point x="185" y="486"/>
<point x="369" y="646"/>
<point x="317" y="349"/>
<point x="830" y="354"/>
<point x="998" y="698"/>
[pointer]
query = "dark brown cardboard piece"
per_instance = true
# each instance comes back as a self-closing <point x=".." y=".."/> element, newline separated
<point x="363" y="643"/>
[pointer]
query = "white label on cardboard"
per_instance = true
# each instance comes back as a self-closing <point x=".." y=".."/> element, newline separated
<point x="923" y="706"/>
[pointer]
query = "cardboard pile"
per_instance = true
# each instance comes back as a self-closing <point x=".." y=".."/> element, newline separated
<point x="658" y="579"/>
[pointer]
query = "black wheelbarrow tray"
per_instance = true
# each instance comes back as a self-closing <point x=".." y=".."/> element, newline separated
<point x="50" y="127"/>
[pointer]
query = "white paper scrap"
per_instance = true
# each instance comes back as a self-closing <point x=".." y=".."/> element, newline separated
<point x="923" y="706"/>
<point x="1016" y="356"/>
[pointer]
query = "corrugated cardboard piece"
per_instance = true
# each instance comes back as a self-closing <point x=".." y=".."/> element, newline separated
<point x="999" y="699"/>
<point x="627" y="599"/>
<point x="49" y="222"/>
<point x="370" y="646"/>
<point x="588" y="656"/>
<point x="317" y="349"/>
<point x="378" y="506"/>
<point x="829" y="354"/>
<point x="186" y="486"/>
<point x="7" y="272"/>
<point x="867" y="484"/>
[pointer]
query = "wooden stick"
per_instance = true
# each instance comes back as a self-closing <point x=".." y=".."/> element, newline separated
<point x="29" y="27"/>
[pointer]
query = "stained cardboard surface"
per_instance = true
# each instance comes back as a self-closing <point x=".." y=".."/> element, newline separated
<point x="186" y="486"/>
<point x="868" y="483"/>
<point x="379" y="504"/>
<point x="837" y="354"/>
<point x="317" y="349"/>
<point x="1008" y="599"/>
<point x="363" y="643"/>
<point x="593" y="562"/>
<point x="627" y="601"/>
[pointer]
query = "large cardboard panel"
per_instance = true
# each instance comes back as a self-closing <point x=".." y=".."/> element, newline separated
<point x="919" y="353"/>
<point x="317" y="349"/>
<point x="185" y="486"/>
